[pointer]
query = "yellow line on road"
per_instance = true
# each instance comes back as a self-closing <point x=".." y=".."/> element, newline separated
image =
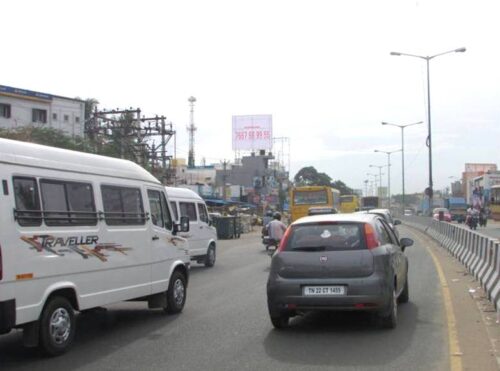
<point x="454" y="347"/>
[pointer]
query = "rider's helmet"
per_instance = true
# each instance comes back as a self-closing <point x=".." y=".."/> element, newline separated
<point x="277" y="216"/>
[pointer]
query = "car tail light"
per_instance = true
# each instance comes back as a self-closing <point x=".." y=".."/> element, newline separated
<point x="370" y="237"/>
<point x="284" y="240"/>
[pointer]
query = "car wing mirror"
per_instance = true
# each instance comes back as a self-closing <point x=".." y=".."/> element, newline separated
<point x="405" y="242"/>
<point x="397" y="222"/>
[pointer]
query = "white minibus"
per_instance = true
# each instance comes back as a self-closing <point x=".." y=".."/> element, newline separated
<point x="79" y="231"/>
<point x="202" y="236"/>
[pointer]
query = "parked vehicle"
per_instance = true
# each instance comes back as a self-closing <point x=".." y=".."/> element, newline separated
<point x="441" y="211"/>
<point x="345" y="262"/>
<point x="79" y="231"/>
<point x="457" y="208"/>
<point x="202" y="235"/>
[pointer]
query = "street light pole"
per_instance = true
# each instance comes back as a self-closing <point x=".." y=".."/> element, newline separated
<point x="402" y="127"/>
<point x="388" y="153"/>
<point x="429" y="135"/>
<point x="374" y="181"/>
<point x="379" y="174"/>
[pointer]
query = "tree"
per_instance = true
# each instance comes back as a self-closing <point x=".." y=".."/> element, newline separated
<point x="309" y="176"/>
<point x="342" y="187"/>
<point x="46" y="136"/>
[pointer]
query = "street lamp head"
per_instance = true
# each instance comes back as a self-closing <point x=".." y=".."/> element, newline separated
<point x="376" y="150"/>
<point x="460" y="50"/>
<point x="396" y="54"/>
<point x="384" y="123"/>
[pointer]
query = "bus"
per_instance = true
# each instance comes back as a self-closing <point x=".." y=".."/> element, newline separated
<point x="349" y="203"/>
<point x="495" y="202"/>
<point x="303" y="198"/>
<point x="370" y="202"/>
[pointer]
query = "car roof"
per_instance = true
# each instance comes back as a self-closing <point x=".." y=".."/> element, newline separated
<point x="385" y="211"/>
<point x="348" y="217"/>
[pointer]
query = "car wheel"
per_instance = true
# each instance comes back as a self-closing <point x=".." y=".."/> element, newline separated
<point x="404" y="297"/>
<point x="280" y="321"/>
<point x="176" y="294"/>
<point x="210" y="257"/>
<point x="389" y="318"/>
<point x="57" y="326"/>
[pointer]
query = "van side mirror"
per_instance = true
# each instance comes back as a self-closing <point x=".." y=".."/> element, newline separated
<point x="397" y="222"/>
<point x="182" y="226"/>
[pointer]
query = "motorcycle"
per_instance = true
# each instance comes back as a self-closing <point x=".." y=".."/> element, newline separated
<point x="472" y="221"/>
<point x="482" y="220"/>
<point x="267" y="241"/>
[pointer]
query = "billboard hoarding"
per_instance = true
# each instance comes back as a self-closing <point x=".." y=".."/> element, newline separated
<point x="252" y="132"/>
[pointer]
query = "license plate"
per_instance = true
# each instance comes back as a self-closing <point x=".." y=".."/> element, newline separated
<point x="323" y="290"/>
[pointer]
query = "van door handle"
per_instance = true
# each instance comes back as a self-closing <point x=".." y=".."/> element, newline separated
<point x="155" y="238"/>
<point x="201" y="227"/>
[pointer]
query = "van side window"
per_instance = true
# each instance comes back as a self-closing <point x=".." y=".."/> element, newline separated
<point x="188" y="209"/>
<point x="159" y="210"/>
<point x="173" y="205"/>
<point x="155" y="206"/>
<point x="67" y="203"/>
<point x="202" y="210"/>
<point x="27" y="199"/>
<point x="166" y="213"/>
<point x="122" y="205"/>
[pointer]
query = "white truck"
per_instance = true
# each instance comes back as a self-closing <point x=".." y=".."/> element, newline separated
<point x="79" y="231"/>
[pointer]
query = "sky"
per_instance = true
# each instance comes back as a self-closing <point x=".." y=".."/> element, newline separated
<point x="322" y="69"/>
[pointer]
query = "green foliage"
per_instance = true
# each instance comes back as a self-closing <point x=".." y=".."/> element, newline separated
<point x="47" y="136"/>
<point x="308" y="176"/>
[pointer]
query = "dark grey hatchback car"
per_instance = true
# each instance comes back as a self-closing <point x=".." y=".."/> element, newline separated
<point x="348" y="262"/>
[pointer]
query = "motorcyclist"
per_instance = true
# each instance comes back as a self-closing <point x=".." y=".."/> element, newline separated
<point x="472" y="217"/>
<point x="276" y="228"/>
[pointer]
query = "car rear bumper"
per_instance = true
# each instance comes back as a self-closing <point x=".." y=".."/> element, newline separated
<point x="362" y="294"/>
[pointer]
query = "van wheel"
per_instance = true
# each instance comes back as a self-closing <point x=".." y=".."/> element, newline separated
<point x="210" y="257"/>
<point x="176" y="294"/>
<point x="57" y="326"/>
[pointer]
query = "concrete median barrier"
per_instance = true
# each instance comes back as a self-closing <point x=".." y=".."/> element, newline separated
<point x="479" y="254"/>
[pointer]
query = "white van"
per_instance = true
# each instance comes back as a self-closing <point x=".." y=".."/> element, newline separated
<point x="78" y="231"/>
<point x="202" y="235"/>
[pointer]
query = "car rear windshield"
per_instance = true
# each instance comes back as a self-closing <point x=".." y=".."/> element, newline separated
<point x="326" y="237"/>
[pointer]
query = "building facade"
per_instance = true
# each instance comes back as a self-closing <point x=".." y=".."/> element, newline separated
<point x="473" y="171"/>
<point x="24" y="108"/>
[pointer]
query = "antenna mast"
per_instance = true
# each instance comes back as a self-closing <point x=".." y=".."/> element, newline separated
<point x="191" y="129"/>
